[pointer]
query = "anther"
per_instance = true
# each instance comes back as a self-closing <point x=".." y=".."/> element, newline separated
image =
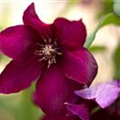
<point x="45" y="40"/>
<point x="48" y="51"/>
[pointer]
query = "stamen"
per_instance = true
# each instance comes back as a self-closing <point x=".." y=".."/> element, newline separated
<point x="54" y="60"/>
<point x="48" y="51"/>
<point x="55" y="42"/>
<point x="45" y="40"/>
<point x="49" y="40"/>
<point x="43" y="58"/>
<point x="49" y="63"/>
<point x="59" y="53"/>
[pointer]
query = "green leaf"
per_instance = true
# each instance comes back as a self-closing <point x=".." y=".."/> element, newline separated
<point x="116" y="60"/>
<point x="116" y="7"/>
<point x="108" y="19"/>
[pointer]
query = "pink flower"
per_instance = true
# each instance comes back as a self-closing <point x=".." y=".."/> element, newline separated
<point x="53" y="54"/>
<point x="106" y="95"/>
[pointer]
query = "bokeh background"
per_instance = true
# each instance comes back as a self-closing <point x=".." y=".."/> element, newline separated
<point x="105" y="48"/>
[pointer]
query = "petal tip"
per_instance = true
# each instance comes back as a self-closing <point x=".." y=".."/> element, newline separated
<point x="32" y="5"/>
<point x="81" y="20"/>
<point x="30" y="10"/>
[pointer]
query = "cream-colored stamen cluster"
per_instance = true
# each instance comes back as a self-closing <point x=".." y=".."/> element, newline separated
<point x="48" y="51"/>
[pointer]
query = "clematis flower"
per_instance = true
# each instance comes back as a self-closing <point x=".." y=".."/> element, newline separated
<point x="53" y="54"/>
<point x="104" y="94"/>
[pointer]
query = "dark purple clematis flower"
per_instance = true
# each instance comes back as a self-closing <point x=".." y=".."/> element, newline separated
<point x="53" y="53"/>
<point x="104" y="95"/>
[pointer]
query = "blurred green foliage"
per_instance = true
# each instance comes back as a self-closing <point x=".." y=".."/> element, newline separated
<point x="19" y="106"/>
<point x="106" y="8"/>
<point x="116" y="60"/>
<point x="116" y="55"/>
<point x="116" y="7"/>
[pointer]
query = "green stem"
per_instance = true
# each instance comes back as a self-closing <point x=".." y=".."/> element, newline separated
<point x="108" y="19"/>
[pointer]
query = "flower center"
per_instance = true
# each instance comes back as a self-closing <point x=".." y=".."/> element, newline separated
<point x="48" y="52"/>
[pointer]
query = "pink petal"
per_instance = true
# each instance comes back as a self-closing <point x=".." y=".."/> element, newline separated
<point x="104" y="94"/>
<point x="31" y="19"/>
<point x="70" y="34"/>
<point x="18" y="76"/>
<point x="79" y="66"/>
<point x="18" y="42"/>
<point x="53" y="90"/>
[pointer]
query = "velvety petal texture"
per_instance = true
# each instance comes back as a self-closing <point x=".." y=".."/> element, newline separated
<point x="104" y="94"/>
<point x="18" y="42"/>
<point x="31" y="19"/>
<point x="53" y="90"/>
<point x="79" y="66"/>
<point x="70" y="34"/>
<point x="18" y="76"/>
<point x="79" y="110"/>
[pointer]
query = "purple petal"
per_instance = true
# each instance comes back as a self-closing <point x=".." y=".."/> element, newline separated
<point x="70" y="34"/>
<point x="18" y="42"/>
<point x="31" y="19"/>
<point x="104" y="94"/>
<point x="53" y="90"/>
<point x="79" y="110"/>
<point x="18" y="76"/>
<point x="58" y="118"/>
<point x="79" y="66"/>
